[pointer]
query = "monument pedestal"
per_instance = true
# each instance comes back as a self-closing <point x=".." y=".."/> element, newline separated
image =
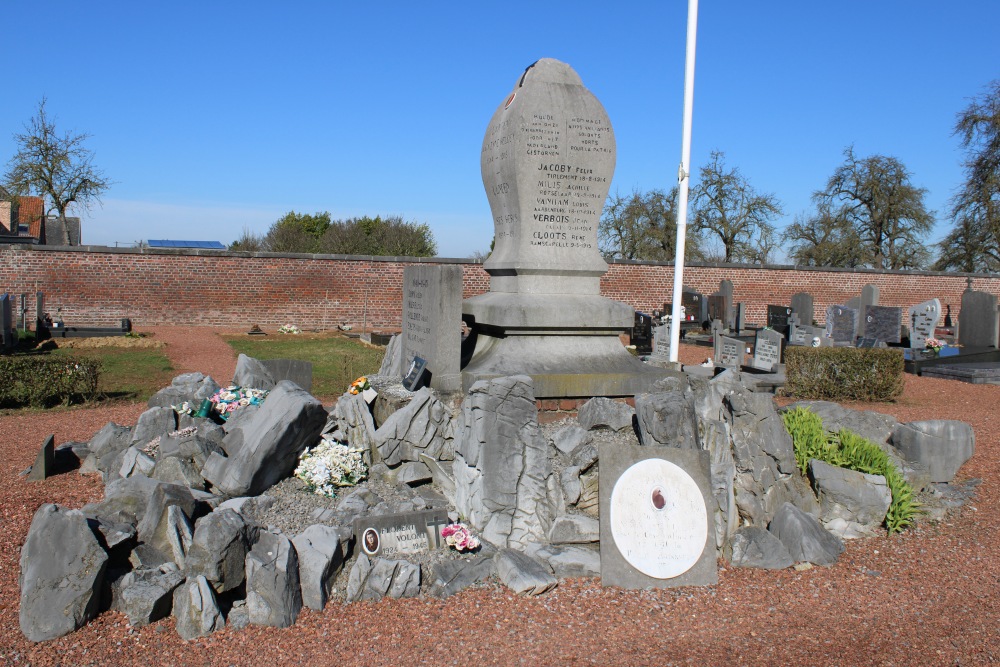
<point x="568" y="344"/>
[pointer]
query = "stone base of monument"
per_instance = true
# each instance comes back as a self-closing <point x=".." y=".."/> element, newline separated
<point x="563" y="366"/>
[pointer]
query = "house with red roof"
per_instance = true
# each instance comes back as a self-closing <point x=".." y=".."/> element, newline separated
<point x="24" y="221"/>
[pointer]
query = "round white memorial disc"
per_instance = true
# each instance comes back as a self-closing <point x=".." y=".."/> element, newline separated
<point x="658" y="518"/>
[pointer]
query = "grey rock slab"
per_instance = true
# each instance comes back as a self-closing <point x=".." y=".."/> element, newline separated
<point x="322" y="551"/>
<point x="125" y="500"/>
<point x="600" y="412"/>
<point x="148" y="595"/>
<point x="288" y="421"/>
<point x="392" y="362"/>
<point x="159" y="527"/>
<point x="667" y="420"/>
<point x="196" y="609"/>
<point x="136" y="462"/>
<point x="804" y="537"/>
<point x="575" y="529"/>
<point x="568" y="438"/>
<point x="441" y="476"/>
<point x="422" y="426"/>
<point x="942" y="445"/>
<point x="274" y="595"/>
<point x="252" y="373"/>
<point x="452" y="576"/>
<point x="62" y="571"/>
<point x="45" y="461"/>
<point x="753" y="546"/>
<point x="857" y="500"/>
<point x="190" y="387"/>
<point x="219" y="549"/>
<point x="374" y="579"/>
<point x="570" y="560"/>
<point x="412" y="472"/>
<point x="572" y="487"/>
<point x="152" y="423"/>
<point x="177" y="470"/>
<point x="354" y="421"/>
<point x="522" y="573"/>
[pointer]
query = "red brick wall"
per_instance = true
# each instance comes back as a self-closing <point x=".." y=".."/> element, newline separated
<point x="100" y="285"/>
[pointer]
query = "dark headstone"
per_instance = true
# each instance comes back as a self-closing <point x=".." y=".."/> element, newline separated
<point x="924" y="318"/>
<point x="777" y="318"/>
<point x="695" y="306"/>
<point x="978" y="321"/>
<point x="841" y="324"/>
<point x="802" y="305"/>
<point x="738" y="318"/>
<point x="8" y="334"/>
<point x="869" y="297"/>
<point x="883" y="323"/>
<point x="390" y="535"/>
<point x="642" y="333"/>
<point x="717" y="307"/>
<point x="868" y="342"/>
<point x="45" y="461"/>
<point x="299" y="372"/>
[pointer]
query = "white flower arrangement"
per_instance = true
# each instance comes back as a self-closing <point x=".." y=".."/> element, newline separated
<point x="289" y="329"/>
<point x="329" y="465"/>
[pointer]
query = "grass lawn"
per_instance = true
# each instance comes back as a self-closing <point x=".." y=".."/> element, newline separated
<point x="126" y="372"/>
<point x="337" y="360"/>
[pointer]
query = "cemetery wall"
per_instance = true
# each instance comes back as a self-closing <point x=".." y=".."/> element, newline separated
<point x="97" y="285"/>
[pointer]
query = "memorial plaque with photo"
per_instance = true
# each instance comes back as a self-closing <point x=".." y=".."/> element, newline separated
<point x="642" y="333"/>
<point x="767" y="349"/>
<point x="656" y="526"/>
<point x="924" y="318"/>
<point x="391" y="534"/>
<point x="777" y="318"/>
<point x="841" y="324"/>
<point x="695" y="306"/>
<point x="729" y="352"/>
<point x="432" y="322"/>
<point x="883" y="322"/>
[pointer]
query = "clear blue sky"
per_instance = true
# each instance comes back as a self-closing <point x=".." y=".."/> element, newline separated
<point x="215" y="116"/>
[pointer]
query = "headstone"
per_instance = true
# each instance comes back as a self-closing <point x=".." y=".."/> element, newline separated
<point x="7" y="331"/>
<point x="416" y="376"/>
<point x="432" y="322"/>
<point x="724" y="307"/>
<point x="729" y="352"/>
<point x="923" y="319"/>
<point x="547" y="162"/>
<point x="767" y="349"/>
<point x="656" y="527"/>
<point x="41" y="326"/>
<point x="389" y="535"/>
<point x="841" y="324"/>
<point x="777" y="318"/>
<point x="869" y="297"/>
<point x="883" y="323"/>
<point x="661" y="343"/>
<point x="642" y="333"/>
<point x="717" y="307"/>
<point x="867" y="342"/>
<point x="695" y="306"/>
<point x="738" y="318"/>
<point x="978" y="321"/>
<point x="802" y="305"/>
<point x="295" y="370"/>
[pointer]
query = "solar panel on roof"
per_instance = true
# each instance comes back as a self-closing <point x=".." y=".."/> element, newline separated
<point x="165" y="243"/>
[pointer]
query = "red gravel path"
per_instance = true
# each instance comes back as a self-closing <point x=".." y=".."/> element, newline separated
<point x="928" y="597"/>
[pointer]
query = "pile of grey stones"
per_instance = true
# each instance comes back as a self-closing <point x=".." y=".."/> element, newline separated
<point x="205" y="522"/>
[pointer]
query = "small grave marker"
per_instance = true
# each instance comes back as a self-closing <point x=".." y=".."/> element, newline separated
<point x="729" y="352"/>
<point x="8" y="334"/>
<point x="410" y="532"/>
<point x="767" y="349"/>
<point x="45" y="461"/>
<point x="924" y="317"/>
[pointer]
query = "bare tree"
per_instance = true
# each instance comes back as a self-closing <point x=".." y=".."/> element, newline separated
<point x="974" y="242"/>
<point x="823" y="239"/>
<point x="643" y="226"/>
<point x="727" y="206"/>
<point x="57" y="166"/>
<point x="875" y="195"/>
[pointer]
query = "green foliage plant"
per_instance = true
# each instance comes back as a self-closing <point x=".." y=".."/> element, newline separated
<point x="846" y="449"/>
<point x="844" y="373"/>
<point x="40" y="381"/>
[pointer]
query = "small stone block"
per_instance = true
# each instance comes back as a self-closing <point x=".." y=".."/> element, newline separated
<point x="45" y="461"/>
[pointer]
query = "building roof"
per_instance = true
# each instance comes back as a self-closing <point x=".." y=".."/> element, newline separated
<point x="30" y="212"/>
<point x="164" y="243"/>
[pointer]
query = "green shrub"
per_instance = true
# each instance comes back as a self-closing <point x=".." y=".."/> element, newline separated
<point x="41" y="381"/>
<point x="849" y="450"/>
<point x="844" y="373"/>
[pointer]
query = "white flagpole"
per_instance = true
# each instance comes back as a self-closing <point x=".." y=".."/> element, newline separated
<point x="684" y="179"/>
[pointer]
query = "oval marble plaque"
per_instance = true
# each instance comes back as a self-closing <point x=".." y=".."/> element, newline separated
<point x="658" y="518"/>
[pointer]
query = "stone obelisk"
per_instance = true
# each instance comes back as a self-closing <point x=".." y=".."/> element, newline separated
<point x="547" y="162"/>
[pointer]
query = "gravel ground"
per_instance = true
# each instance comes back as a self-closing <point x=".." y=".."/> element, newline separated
<point x="927" y="597"/>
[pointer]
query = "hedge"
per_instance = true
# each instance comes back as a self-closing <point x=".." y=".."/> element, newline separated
<point x="40" y="381"/>
<point x="844" y="373"/>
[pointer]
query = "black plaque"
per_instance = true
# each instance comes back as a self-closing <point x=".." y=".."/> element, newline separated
<point x="417" y="376"/>
<point x="642" y="333"/>
<point x="883" y="323"/>
<point x="777" y="318"/>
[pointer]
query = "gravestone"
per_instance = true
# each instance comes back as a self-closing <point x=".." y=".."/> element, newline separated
<point x="432" y="322"/>
<point x="41" y="326"/>
<point x="923" y="319"/>
<point x="661" y="343"/>
<point x="717" y="307"/>
<point x="978" y="320"/>
<point x="695" y="305"/>
<point x="729" y="352"/>
<point x="657" y="528"/>
<point x="299" y="372"/>
<point x="802" y="305"/>
<point x="806" y="335"/>
<point x="841" y="324"/>
<point x="869" y="297"/>
<point x="642" y="333"/>
<point x="726" y="292"/>
<point x="388" y="535"/>
<point x="8" y="334"/>
<point x="883" y="323"/>
<point x="767" y="349"/>
<point x="738" y="319"/>
<point x="777" y="318"/>
<point x="547" y="161"/>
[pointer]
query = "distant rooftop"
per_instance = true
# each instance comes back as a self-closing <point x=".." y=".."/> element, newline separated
<point x="164" y="243"/>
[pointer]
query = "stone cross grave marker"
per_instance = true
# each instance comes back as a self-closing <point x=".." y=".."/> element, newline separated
<point x="389" y="535"/>
<point x="657" y="527"/>
<point x="923" y="318"/>
<point x="777" y="318"/>
<point x="841" y="324"/>
<point x="802" y="305"/>
<point x="883" y="323"/>
<point x="767" y="349"/>
<point x="729" y="352"/>
<point x="978" y="320"/>
<point x="432" y="322"/>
